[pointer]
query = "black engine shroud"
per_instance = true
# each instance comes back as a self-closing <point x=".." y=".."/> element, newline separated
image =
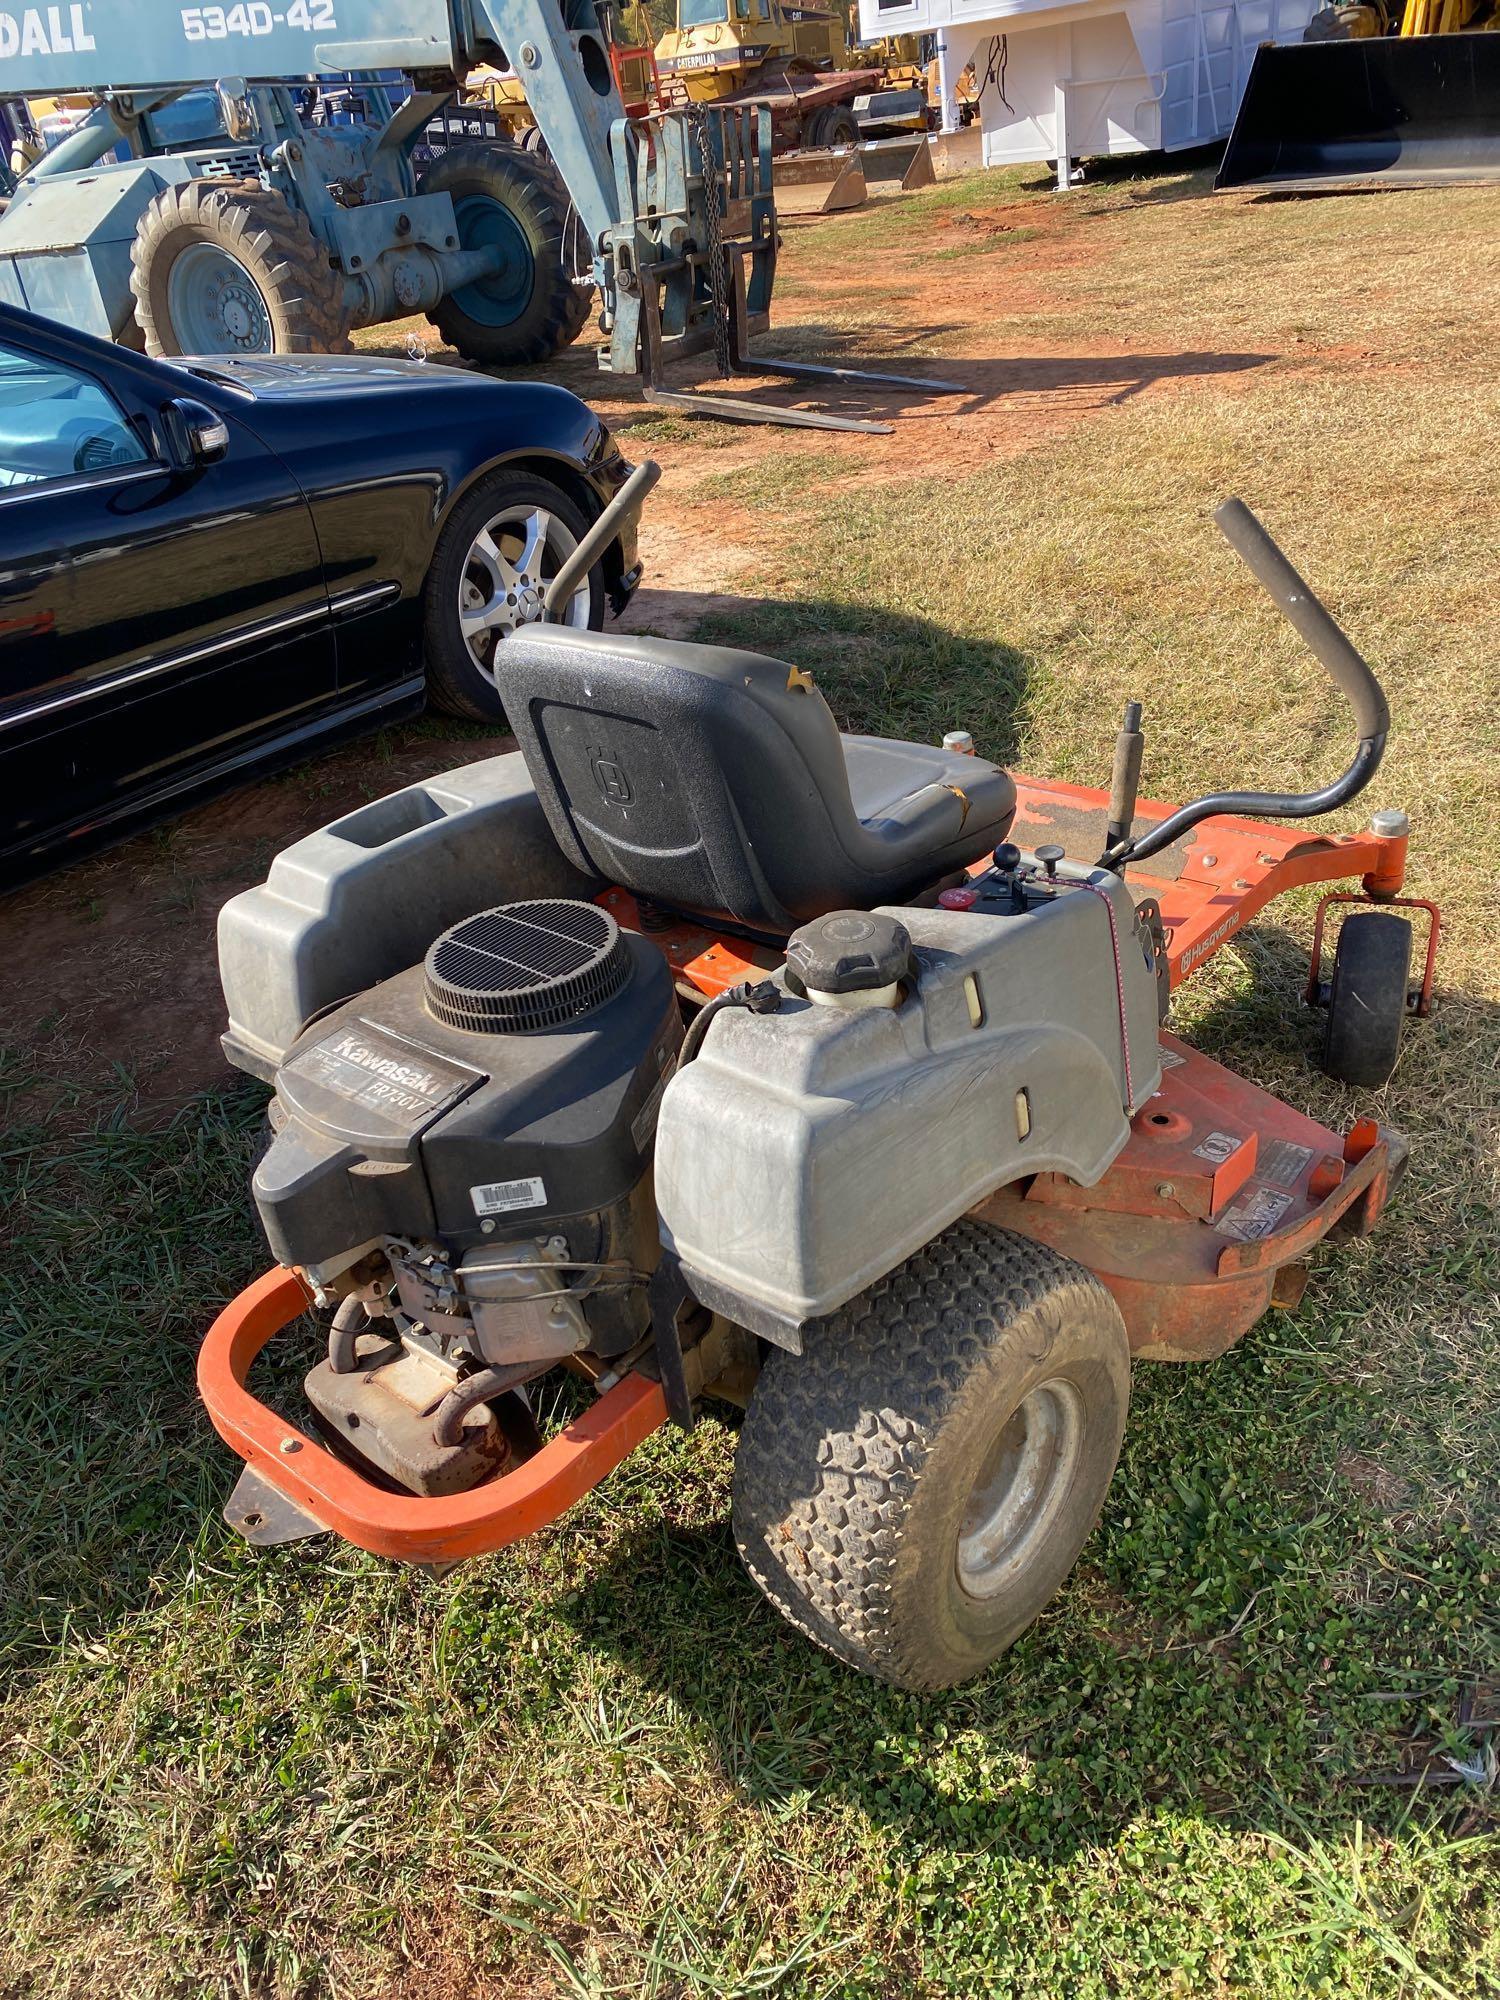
<point x="389" y="1122"/>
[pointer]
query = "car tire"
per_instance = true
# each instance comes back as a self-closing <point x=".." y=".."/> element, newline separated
<point x="531" y="309"/>
<point x="460" y="665"/>
<point x="913" y="1488"/>
<point x="228" y="267"/>
<point x="1367" y="999"/>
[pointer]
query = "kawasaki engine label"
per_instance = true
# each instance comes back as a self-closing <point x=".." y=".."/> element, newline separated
<point x="373" y="1068"/>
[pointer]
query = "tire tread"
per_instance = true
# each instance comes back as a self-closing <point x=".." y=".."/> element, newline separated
<point x="877" y="1384"/>
<point x="272" y="239"/>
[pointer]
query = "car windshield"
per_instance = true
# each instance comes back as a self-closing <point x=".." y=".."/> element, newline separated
<point x="701" y="13"/>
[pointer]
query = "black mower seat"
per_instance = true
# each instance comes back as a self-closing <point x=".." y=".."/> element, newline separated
<point x="717" y="783"/>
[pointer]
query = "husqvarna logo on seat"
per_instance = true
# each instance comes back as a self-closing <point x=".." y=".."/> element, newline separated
<point x="609" y="776"/>
<point x="44" y="31"/>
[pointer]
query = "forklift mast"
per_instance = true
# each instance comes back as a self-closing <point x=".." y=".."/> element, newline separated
<point x="676" y="211"/>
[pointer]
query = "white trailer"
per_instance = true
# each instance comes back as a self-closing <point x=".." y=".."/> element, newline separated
<point x="1091" y="78"/>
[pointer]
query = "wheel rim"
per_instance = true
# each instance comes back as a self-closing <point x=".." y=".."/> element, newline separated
<point x="502" y="295"/>
<point x="214" y="304"/>
<point x="505" y="576"/>
<point x="1021" y="1487"/>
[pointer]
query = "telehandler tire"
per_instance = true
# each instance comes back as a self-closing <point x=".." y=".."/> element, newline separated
<point x="228" y="267"/>
<point x="913" y="1488"/>
<point x="1367" y="998"/>
<point x="530" y="309"/>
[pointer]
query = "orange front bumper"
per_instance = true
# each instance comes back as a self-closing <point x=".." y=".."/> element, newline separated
<point x="335" y="1496"/>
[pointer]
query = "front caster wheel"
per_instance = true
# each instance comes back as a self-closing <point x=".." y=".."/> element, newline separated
<point x="1367" y="999"/>
<point x="913" y="1488"/>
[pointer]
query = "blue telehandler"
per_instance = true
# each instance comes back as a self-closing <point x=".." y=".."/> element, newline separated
<point x="202" y="207"/>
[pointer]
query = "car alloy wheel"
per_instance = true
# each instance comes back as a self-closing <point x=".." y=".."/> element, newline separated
<point x="510" y="563"/>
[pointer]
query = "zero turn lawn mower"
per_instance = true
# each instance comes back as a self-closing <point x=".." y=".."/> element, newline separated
<point x="703" y="1051"/>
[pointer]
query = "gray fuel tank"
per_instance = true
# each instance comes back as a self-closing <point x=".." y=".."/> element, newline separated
<point x="807" y="1152"/>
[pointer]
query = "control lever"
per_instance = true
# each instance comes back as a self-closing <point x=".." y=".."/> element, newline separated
<point x="1339" y="659"/>
<point x="1125" y="779"/>
<point x="627" y="502"/>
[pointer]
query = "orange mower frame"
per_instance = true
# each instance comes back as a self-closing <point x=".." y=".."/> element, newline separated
<point x="1204" y="1220"/>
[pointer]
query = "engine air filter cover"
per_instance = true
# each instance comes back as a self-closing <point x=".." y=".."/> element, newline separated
<point x="524" y="966"/>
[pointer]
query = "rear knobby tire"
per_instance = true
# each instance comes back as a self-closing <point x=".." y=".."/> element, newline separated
<point x="1367" y="999"/>
<point x="300" y="292"/>
<point x="867" y="1461"/>
<point x="531" y="309"/>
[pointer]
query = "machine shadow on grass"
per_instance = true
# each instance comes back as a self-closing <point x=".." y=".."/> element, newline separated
<point x="985" y="381"/>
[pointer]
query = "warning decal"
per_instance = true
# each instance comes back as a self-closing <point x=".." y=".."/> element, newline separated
<point x="1254" y="1215"/>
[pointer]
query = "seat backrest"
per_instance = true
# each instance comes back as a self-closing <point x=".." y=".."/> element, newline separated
<point x="710" y="780"/>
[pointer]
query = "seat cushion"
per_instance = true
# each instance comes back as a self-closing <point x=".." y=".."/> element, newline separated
<point x="716" y="782"/>
<point x="891" y="786"/>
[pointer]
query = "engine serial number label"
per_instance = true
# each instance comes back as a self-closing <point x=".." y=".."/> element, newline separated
<point x="501" y="1197"/>
<point x="256" y="17"/>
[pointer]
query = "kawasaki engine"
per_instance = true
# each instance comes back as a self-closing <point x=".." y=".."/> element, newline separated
<point x="459" y="1167"/>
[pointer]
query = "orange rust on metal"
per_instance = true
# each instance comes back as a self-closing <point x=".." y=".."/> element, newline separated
<point x="439" y="1530"/>
<point x="1190" y="1272"/>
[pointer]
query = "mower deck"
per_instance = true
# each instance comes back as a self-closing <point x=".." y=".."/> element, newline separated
<point x="1203" y="1221"/>
<point x="1205" y="1218"/>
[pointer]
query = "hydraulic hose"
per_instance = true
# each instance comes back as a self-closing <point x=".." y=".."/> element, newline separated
<point x="1340" y="661"/>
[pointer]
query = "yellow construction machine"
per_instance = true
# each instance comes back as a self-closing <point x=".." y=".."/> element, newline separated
<point x="627" y="36"/>
<point x="718" y="47"/>
<point x="1377" y="93"/>
<point x="798" y="62"/>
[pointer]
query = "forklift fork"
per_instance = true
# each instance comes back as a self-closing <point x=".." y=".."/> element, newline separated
<point x="746" y="410"/>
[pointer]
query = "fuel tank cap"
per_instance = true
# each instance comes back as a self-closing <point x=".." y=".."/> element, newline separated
<point x="849" y="951"/>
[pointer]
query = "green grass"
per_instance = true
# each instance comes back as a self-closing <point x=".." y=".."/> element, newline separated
<point x="599" y="1764"/>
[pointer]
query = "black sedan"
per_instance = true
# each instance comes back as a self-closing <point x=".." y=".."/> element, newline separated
<point x="206" y="568"/>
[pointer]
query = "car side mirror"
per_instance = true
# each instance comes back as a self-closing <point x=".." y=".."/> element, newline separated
<point x="196" y="435"/>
